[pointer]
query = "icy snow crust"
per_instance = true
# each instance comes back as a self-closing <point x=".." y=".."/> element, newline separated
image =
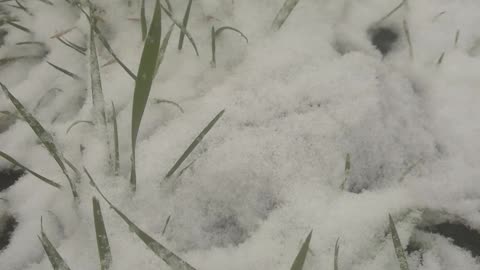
<point x="297" y="101"/>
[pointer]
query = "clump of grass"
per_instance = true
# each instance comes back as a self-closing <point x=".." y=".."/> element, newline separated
<point x="145" y="74"/>
<point x="194" y="144"/>
<point x="78" y="122"/>
<point x="215" y="34"/>
<point x="66" y="72"/>
<point x="18" y="164"/>
<point x="58" y="263"/>
<point x="185" y="23"/>
<point x="170" y="258"/>
<point x="45" y="138"/>
<point x="283" y="14"/>
<point x="302" y="254"/>
<point x="402" y="259"/>
<point x="102" y="238"/>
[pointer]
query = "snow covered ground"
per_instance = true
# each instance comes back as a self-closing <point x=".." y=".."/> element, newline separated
<point x="296" y="101"/>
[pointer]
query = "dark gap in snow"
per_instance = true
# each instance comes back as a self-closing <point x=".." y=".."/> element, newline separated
<point x="7" y="225"/>
<point x="383" y="39"/>
<point x="462" y="235"/>
<point x="8" y="177"/>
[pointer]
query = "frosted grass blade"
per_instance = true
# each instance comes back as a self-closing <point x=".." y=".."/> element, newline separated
<point x="115" y="141"/>
<point x="169" y="6"/>
<point x="64" y="71"/>
<point x="43" y="135"/>
<point x="163" y="47"/>
<point x="194" y="144"/>
<point x="391" y="12"/>
<point x="170" y="258"/>
<point x="145" y="75"/>
<point x="185" y="23"/>
<point x="143" y="20"/>
<point x="409" y="40"/>
<point x="183" y="29"/>
<point x="223" y="28"/>
<point x="23" y="28"/>
<point x="335" y="258"/>
<point x="102" y="239"/>
<point x="402" y="259"/>
<point x="166" y="225"/>
<point x="78" y="122"/>
<point x="216" y="33"/>
<point x="160" y="101"/>
<point x="214" y="47"/>
<point x="70" y="46"/>
<point x="58" y="263"/>
<point x="283" y="14"/>
<point x="47" y="97"/>
<point x="16" y="163"/>
<point x="302" y="254"/>
<point x="347" y="171"/>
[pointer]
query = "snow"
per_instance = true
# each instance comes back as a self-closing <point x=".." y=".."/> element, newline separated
<point x="296" y="100"/>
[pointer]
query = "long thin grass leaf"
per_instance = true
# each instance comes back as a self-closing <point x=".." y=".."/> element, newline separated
<point x="409" y="40"/>
<point x="115" y="141"/>
<point x="223" y="28"/>
<point x="78" y="122"/>
<point x="160" y="101"/>
<point x="402" y="259"/>
<point x="23" y="8"/>
<point x="346" y="171"/>
<point x="58" y="263"/>
<point x="391" y="12"/>
<point x="335" y="257"/>
<point x="64" y="71"/>
<point x="457" y="37"/>
<point x="166" y="225"/>
<point x="185" y="23"/>
<point x="214" y="47"/>
<point x="163" y="47"/>
<point x="216" y="33"/>
<point x="170" y="258"/>
<point x="46" y="98"/>
<point x="70" y="46"/>
<point x="145" y="75"/>
<point x="182" y="28"/>
<point x="302" y="254"/>
<point x="30" y="43"/>
<point x="23" y="28"/>
<point x="143" y="20"/>
<point x="102" y="239"/>
<point x="16" y="163"/>
<point x="194" y="144"/>
<point x="283" y="14"/>
<point x="43" y="135"/>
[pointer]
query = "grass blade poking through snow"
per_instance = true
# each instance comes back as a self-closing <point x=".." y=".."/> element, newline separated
<point x="409" y="40"/>
<point x="58" y="263"/>
<point x="115" y="141"/>
<point x="78" y="122"/>
<point x="215" y="34"/>
<point x="302" y="254"/>
<point x="143" y="20"/>
<point x="335" y="257"/>
<point x="43" y="135"/>
<point x="181" y="27"/>
<point x="283" y="14"/>
<point x="64" y="71"/>
<point x="185" y="23"/>
<point x="16" y="163"/>
<point x="145" y="76"/>
<point x="163" y="47"/>
<point x="102" y="239"/>
<point x="194" y="144"/>
<point x="175" y="262"/>
<point x="347" y="171"/>
<point x="402" y="259"/>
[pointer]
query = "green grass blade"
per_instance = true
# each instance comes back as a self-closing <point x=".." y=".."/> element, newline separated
<point x="16" y="163"/>
<point x="78" y="122"/>
<point x="143" y="21"/>
<point x="115" y="141"/>
<point x="182" y="28"/>
<point x="166" y="225"/>
<point x="283" y="14"/>
<point x="170" y="258"/>
<point x="215" y="34"/>
<point x="409" y="40"/>
<point x="102" y="239"/>
<point x="335" y="258"/>
<point x="71" y="46"/>
<point x="302" y="254"/>
<point x="457" y="37"/>
<point x="169" y="6"/>
<point x="47" y="97"/>
<point x="347" y="171"/>
<point x="160" y="101"/>
<point x="64" y="71"/>
<point x="214" y="47"/>
<point x="58" y="263"/>
<point x="145" y="74"/>
<point x="23" y="28"/>
<point x="194" y="144"/>
<point x="163" y="47"/>
<point x="185" y="23"/>
<point x="391" y="12"/>
<point x="43" y="135"/>
<point x="402" y="259"/>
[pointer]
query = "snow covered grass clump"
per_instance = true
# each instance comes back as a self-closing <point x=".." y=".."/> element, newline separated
<point x="223" y="154"/>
